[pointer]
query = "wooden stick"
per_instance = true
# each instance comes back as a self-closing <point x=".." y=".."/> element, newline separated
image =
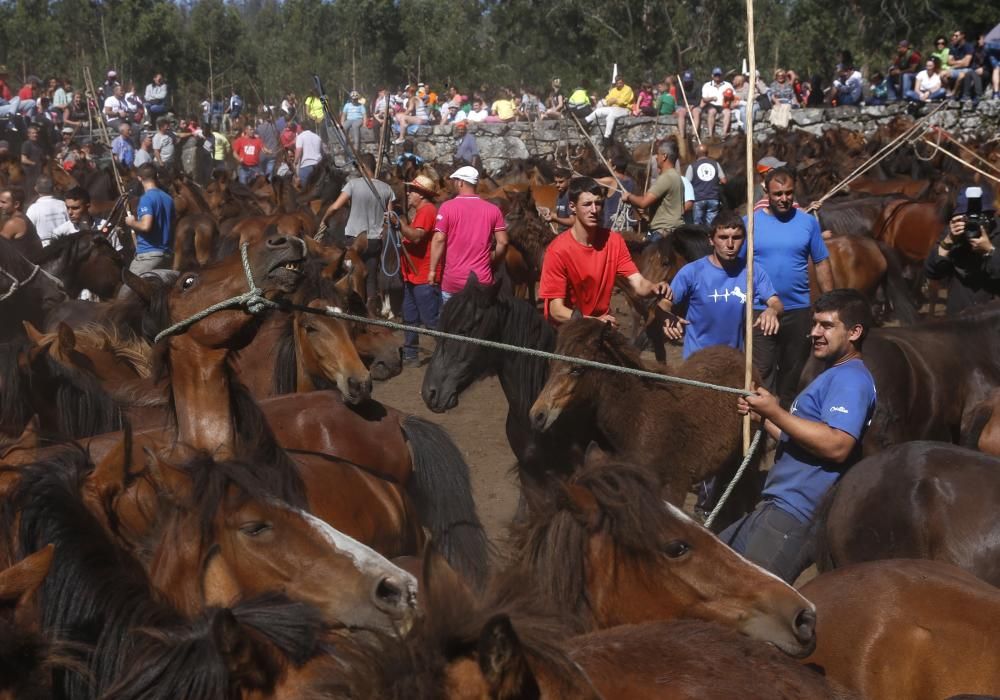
<point x="687" y="106"/>
<point x="748" y="326"/>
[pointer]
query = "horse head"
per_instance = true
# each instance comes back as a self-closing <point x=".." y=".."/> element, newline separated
<point x="275" y="264"/>
<point x="454" y="365"/>
<point x="608" y="549"/>
<point x="222" y="534"/>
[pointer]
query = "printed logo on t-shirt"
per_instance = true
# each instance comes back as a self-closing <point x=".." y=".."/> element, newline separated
<point x="838" y="409"/>
<point x="249" y="149"/>
<point x="735" y="292"/>
<point x="706" y="172"/>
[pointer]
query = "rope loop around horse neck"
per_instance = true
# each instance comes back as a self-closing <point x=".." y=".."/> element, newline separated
<point x="252" y="301"/>
<point x="736" y="477"/>
<point x="16" y="284"/>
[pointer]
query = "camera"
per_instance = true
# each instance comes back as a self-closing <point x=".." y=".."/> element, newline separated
<point x="975" y="222"/>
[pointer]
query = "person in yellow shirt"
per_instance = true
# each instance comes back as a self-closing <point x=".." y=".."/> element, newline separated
<point x="504" y="109"/>
<point x="314" y="109"/>
<point x="617" y="104"/>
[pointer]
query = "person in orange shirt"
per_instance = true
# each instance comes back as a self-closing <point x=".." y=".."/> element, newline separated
<point x="421" y="300"/>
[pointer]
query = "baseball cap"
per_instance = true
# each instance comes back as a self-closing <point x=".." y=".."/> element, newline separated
<point x="466" y="174"/>
<point x="769" y="163"/>
<point x="112" y="74"/>
<point x="67" y="130"/>
<point x="687" y="76"/>
<point x="717" y="71"/>
<point x="962" y="203"/>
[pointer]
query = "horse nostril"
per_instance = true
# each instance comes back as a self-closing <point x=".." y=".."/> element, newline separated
<point x="389" y="593"/>
<point x="805" y="625"/>
<point x="277" y="241"/>
<point x="538" y="420"/>
<point x="431" y="395"/>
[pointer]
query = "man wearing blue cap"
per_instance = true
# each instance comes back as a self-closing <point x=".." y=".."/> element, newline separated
<point x="966" y="252"/>
<point x="713" y="101"/>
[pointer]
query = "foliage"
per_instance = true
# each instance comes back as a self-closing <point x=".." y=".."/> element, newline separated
<point x="273" y="46"/>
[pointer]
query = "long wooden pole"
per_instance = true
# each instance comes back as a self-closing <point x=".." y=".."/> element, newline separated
<point x="680" y="84"/>
<point x="748" y="328"/>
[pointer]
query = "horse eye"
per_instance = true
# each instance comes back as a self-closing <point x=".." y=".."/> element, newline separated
<point x="576" y="371"/>
<point x="255" y="528"/>
<point x="676" y="549"/>
<point x="189" y="281"/>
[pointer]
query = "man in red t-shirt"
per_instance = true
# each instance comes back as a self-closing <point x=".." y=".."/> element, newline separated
<point x="421" y="300"/>
<point x="247" y="149"/>
<point x="581" y="264"/>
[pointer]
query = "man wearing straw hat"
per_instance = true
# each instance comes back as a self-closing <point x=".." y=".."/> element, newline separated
<point x="421" y="300"/>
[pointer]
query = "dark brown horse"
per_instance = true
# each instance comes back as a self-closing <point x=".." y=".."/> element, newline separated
<point x="27" y="293"/>
<point x="681" y="434"/>
<point x="906" y="629"/>
<point x="918" y="500"/>
<point x="84" y="260"/>
<point x="930" y="377"/>
<point x="604" y="549"/>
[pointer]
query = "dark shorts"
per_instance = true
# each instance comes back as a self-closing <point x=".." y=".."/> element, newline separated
<point x="773" y="539"/>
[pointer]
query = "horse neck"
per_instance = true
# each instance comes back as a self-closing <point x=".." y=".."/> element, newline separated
<point x="200" y="385"/>
<point x="522" y="376"/>
<point x="175" y="566"/>
<point x="617" y="407"/>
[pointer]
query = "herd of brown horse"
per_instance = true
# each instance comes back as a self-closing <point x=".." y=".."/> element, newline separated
<point x="227" y="512"/>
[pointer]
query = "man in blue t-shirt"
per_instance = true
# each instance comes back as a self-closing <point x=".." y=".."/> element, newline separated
<point x="153" y="224"/>
<point x="818" y="439"/>
<point x="785" y="240"/>
<point x="714" y="290"/>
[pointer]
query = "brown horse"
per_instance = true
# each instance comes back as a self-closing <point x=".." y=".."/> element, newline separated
<point x="372" y="445"/>
<point x="918" y="500"/>
<point x="220" y="535"/>
<point x="681" y="434"/>
<point x="503" y="648"/>
<point x="910" y="228"/>
<point x="869" y="266"/>
<point x="605" y="550"/>
<point x="930" y="377"/>
<point x="912" y="629"/>
<point x="195" y="239"/>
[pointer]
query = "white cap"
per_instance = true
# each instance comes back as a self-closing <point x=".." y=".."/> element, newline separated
<point x="466" y="174"/>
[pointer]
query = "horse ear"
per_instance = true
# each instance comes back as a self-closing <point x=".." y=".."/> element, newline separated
<point x="472" y="280"/>
<point x="360" y="243"/>
<point x="595" y="456"/>
<point x="503" y="663"/>
<point x="582" y="503"/>
<point x="443" y="589"/>
<point x="160" y="474"/>
<point x="19" y="582"/>
<point x="142" y="288"/>
<point x="67" y="338"/>
<point x="35" y="335"/>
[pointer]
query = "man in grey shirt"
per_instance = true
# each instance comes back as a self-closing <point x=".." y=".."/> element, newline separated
<point x="367" y="216"/>
<point x="156" y="97"/>
<point x="163" y="145"/>
<point x="268" y="133"/>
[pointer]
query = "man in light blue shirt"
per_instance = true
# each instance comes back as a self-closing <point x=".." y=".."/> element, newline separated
<point x="352" y="116"/>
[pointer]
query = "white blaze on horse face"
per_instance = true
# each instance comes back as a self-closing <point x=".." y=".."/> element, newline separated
<point x="366" y="559"/>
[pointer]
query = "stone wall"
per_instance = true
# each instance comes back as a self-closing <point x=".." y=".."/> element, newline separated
<point x="500" y="142"/>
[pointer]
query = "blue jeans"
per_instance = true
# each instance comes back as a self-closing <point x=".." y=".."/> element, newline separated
<point x="266" y="165"/>
<point x="248" y="174"/>
<point x="421" y="306"/>
<point x="705" y="211"/>
<point x="938" y="94"/>
<point x="773" y="539"/>
<point x="304" y="173"/>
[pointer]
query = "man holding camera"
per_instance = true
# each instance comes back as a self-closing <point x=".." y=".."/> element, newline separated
<point x="966" y="252"/>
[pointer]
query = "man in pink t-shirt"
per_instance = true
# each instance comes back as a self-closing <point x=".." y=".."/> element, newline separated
<point x="471" y="235"/>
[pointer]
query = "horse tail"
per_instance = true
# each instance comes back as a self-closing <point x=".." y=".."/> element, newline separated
<point x="442" y="493"/>
<point x="822" y="555"/>
<point x="897" y="291"/>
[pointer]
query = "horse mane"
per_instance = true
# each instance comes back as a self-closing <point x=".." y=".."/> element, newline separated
<point x="551" y="547"/>
<point x="95" y="594"/>
<point x="195" y="191"/>
<point x="286" y="371"/>
<point x="589" y="334"/>
<point x="690" y="241"/>
<point x="15" y="410"/>
<point x="60" y="246"/>
<point x="134" y="351"/>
